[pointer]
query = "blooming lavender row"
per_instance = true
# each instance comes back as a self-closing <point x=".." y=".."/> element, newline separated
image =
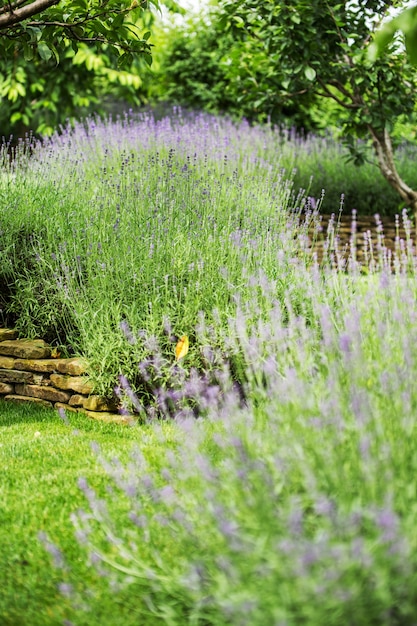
<point x="169" y="219"/>
<point x="136" y="219"/>
<point x="293" y="499"/>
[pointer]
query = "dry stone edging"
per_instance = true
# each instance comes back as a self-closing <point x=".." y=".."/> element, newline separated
<point x="29" y="373"/>
<point x="26" y="348"/>
<point x="364" y="231"/>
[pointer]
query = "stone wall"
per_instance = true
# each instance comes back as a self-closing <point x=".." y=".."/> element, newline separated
<point x="367" y="232"/>
<point x="31" y="372"/>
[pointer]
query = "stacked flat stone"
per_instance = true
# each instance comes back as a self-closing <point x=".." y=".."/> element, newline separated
<point x="29" y="373"/>
<point x="365" y="228"/>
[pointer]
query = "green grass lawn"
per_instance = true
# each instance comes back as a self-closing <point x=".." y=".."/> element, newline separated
<point x="41" y="459"/>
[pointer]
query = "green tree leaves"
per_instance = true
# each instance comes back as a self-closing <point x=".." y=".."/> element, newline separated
<point x="406" y="22"/>
<point x="46" y="26"/>
<point x="57" y="56"/>
<point x="320" y="50"/>
<point x="211" y="63"/>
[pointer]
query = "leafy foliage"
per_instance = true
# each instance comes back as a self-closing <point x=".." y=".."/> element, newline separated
<point x="406" y="22"/>
<point x="66" y="59"/>
<point x="190" y="72"/>
<point x="201" y="66"/>
<point x="43" y="28"/>
<point x="319" y="50"/>
<point x="40" y="94"/>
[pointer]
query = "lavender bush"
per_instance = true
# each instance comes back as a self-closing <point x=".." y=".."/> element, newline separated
<point x="165" y="216"/>
<point x="167" y="219"/>
<point x="293" y="500"/>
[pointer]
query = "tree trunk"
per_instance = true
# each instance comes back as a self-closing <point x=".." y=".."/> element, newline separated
<point x="385" y="155"/>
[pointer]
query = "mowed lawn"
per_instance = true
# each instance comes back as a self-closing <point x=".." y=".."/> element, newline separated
<point x="41" y="460"/>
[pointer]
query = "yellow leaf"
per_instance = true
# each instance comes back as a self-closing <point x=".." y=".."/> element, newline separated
<point x="181" y="348"/>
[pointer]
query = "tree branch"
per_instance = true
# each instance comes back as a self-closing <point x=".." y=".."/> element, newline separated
<point x="19" y="15"/>
<point x="301" y="92"/>
<point x="11" y="6"/>
<point x="88" y="18"/>
<point x="329" y="94"/>
<point x="341" y="88"/>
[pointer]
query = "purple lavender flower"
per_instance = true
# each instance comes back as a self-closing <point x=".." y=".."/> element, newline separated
<point x="345" y="342"/>
<point x="124" y="326"/>
<point x="63" y="415"/>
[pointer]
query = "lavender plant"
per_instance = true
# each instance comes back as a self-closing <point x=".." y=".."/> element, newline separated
<point x="295" y="502"/>
<point x="164" y="217"/>
<point x="167" y="218"/>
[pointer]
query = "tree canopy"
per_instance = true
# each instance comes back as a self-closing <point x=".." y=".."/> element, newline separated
<point x="60" y="56"/>
<point x="46" y="27"/>
<point x="319" y="50"/>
